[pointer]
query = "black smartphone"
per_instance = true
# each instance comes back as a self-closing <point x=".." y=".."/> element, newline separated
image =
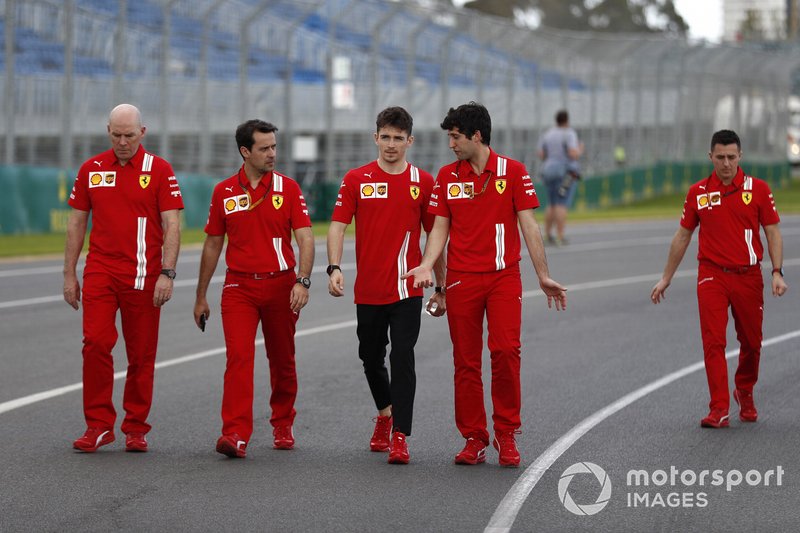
<point x="203" y="322"/>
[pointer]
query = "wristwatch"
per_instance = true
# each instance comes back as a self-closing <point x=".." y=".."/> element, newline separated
<point x="438" y="289"/>
<point x="779" y="271"/>
<point x="305" y="282"/>
<point x="331" y="268"/>
<point x="169" y="272"/>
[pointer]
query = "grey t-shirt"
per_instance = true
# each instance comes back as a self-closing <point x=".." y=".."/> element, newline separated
<point x="555" y="143"/>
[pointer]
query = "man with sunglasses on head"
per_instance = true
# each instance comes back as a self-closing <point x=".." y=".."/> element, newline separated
<point x="729" y="206"/>
<point x="478" y="201"/>
<point x="257" y="208"/>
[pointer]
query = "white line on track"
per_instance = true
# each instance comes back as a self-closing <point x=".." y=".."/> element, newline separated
<point x="503" y="518"/>
<point x="52" y="393"/>
<point x="178" y="284"/>
<point x="38" y="397"/>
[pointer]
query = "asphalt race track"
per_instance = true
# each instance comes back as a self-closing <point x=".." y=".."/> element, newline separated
<point x="614" y="385"/>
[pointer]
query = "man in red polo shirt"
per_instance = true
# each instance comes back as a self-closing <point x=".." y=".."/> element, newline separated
<point x="134" y="200"/>
<point x="388" y="198"/>
<point x="257" y="208"/>
<point x="478" y="200"/>
<point x="729" y="207"/>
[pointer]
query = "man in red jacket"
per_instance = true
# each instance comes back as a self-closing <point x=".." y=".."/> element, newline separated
<point x="134" y="200"/>
<point x="729" y="207"/>
<point x="257" y="208"/>
<point x="478" y="200"/>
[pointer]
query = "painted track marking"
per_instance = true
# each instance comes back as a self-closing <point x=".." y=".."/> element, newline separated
<point x="503" y="518"/>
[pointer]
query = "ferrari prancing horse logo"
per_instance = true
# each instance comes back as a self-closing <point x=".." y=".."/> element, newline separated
<point x="277" y="201"/>
<point x="500" y="185"/>
<point x="414" y="192"/>
<point x="747" y="197"/>
<point x="144" y="180"/>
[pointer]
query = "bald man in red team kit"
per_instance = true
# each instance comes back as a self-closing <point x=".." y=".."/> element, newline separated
<point x="729" y="207"/>
<point x="134" y="201"/>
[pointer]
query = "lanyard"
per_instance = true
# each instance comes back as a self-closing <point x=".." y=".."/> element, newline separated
<point x="250" y="203"/>
<point x="472" y="193"/>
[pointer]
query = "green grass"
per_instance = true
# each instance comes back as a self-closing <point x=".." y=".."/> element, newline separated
<point x="787" y="200"/>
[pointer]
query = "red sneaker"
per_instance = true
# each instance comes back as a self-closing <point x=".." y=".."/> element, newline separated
<point x="398" y="451"/>
<point x="474" y="452"/>
<point x="380" y="437"/>
<point x="93" y="439"/>
<point x="135" y="442"/>
<point x="284" y="438"/>
<point x="505" y="443"/>
<point x="747" y="409"/>
<point x="717" y="418"/>
<point x="232" y="445"/>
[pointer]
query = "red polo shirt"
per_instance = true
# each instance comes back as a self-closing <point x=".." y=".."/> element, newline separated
<point x="126" y="204"/>
<point x="483" y="212"/>
<point x="259" y="239"/>
<point x="388" y="209"/>
<point x="729" y="218"/>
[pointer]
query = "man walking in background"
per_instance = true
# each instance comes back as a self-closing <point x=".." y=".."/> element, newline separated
<point x="729" y="207"/>
<point x="388" y="198"/>
<point x="257" y="208"/>
<point x="559" y="150"/>
<point x="134" y="200"/>
<point x="478" y="201"/>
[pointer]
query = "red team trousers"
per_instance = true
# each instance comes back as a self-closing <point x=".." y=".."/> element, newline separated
<point x="743" y="292"/>
<point x="245" y="302"/>
<point x="498" y="296"/>
<point x="103" y="295"/>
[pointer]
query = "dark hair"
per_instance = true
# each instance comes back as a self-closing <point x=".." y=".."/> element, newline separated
<point x="725" y="137"/>
<point x="245" y="131"/>
<point x="562" y="117"/>
<point x="469" y="118"/>
<point x="396" y="117"/>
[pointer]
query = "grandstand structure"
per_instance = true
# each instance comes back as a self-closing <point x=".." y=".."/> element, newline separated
<point x="321" y="70"/>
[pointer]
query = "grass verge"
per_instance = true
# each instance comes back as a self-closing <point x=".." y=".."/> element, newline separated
<point x="787" y="200"/>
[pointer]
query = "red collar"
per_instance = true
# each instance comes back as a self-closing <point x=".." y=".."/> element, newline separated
<point x="738" y="180"/>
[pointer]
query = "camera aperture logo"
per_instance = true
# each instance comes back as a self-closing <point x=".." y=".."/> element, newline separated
<point x="590" y="508"/>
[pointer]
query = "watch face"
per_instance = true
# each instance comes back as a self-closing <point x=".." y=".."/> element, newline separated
<point x="305" y="282"/>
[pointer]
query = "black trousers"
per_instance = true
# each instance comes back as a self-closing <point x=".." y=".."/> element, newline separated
<point x="377" y="325"/>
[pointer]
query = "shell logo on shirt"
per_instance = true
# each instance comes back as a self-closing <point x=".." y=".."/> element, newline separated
<point x="709" y="199"/>
<point x="233" y="204"/>
<point x="414" y="192"/>
<point x="500" y="185"/>
<point x="277" y="201"/>
<point x="377" y="190"/>
<point x="747" y="197"/>
<point x="460" y="190"/>
<point x="144" y="180"/>
<point x="102" y="179"/>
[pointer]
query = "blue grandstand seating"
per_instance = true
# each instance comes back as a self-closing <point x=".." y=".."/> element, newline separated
<point x="39" y="54"/>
